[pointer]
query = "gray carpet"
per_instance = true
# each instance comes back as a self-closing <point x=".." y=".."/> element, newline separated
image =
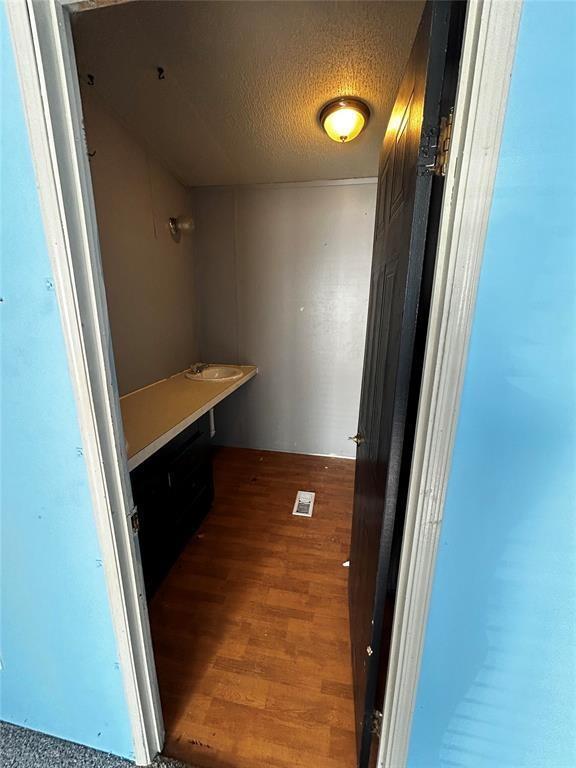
<point x="22" y="748"/>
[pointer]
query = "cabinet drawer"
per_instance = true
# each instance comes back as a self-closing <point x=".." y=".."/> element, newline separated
<point x="189" y="469"/>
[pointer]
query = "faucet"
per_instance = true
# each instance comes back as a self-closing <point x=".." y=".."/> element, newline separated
<point x="198" y="367"/>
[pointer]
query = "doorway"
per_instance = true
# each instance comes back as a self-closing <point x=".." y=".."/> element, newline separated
<point x="247" y="267"/>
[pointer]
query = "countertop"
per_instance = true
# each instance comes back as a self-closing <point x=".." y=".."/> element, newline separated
<point x="152" y="416"/>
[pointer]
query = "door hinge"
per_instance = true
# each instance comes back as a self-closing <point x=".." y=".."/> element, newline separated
<point x="376" y="726"/>
<point x="135" y="520"/>
<point x="444" y="141"/>
<point x="438" y="142"/>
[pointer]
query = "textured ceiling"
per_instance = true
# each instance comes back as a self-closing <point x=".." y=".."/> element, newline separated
<point x="243" y="82"/>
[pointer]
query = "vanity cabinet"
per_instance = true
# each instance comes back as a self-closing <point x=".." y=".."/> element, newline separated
<point x="173" y="491"/>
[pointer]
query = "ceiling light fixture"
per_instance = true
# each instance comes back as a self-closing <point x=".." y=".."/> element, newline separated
<point x="345" y="118"/>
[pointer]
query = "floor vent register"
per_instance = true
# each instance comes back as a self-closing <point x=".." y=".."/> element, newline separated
<point x="304" y="504"/>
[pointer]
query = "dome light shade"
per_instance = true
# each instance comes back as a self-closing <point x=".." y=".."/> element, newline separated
<point x="345" y="118"/>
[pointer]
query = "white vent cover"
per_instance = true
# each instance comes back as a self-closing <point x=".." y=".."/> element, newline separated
<point x="304" y="504"/>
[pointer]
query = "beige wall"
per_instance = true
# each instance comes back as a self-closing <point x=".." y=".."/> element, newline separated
<point x="149" y="278"/>
<point x="283" y="281"/>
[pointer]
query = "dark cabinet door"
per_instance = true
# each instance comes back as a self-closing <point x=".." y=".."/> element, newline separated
<point x="173" y="491"/>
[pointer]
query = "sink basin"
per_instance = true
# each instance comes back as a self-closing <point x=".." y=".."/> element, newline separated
<point x="216" y="373"/>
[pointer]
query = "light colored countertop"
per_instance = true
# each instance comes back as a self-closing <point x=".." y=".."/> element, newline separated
<point x="152" y="416"/>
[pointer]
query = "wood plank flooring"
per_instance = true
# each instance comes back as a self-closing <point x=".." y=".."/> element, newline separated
<point x="250" y="628"/>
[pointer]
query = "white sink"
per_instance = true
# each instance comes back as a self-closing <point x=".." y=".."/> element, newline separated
<point x="216" y="373"/>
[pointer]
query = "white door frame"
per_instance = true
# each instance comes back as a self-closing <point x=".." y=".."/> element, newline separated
<point x="43" y="46"/>
<point x="43" y="49"/>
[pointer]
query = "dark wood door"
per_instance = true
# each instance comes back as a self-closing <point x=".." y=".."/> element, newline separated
<point x="404" y="234"/>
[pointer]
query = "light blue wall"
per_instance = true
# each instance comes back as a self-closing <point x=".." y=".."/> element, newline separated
<point x="59" y="659"/>
<point x="498" y="681"/>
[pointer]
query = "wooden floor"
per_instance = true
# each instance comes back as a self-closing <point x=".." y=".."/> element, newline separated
<point x="250" y="628"/>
